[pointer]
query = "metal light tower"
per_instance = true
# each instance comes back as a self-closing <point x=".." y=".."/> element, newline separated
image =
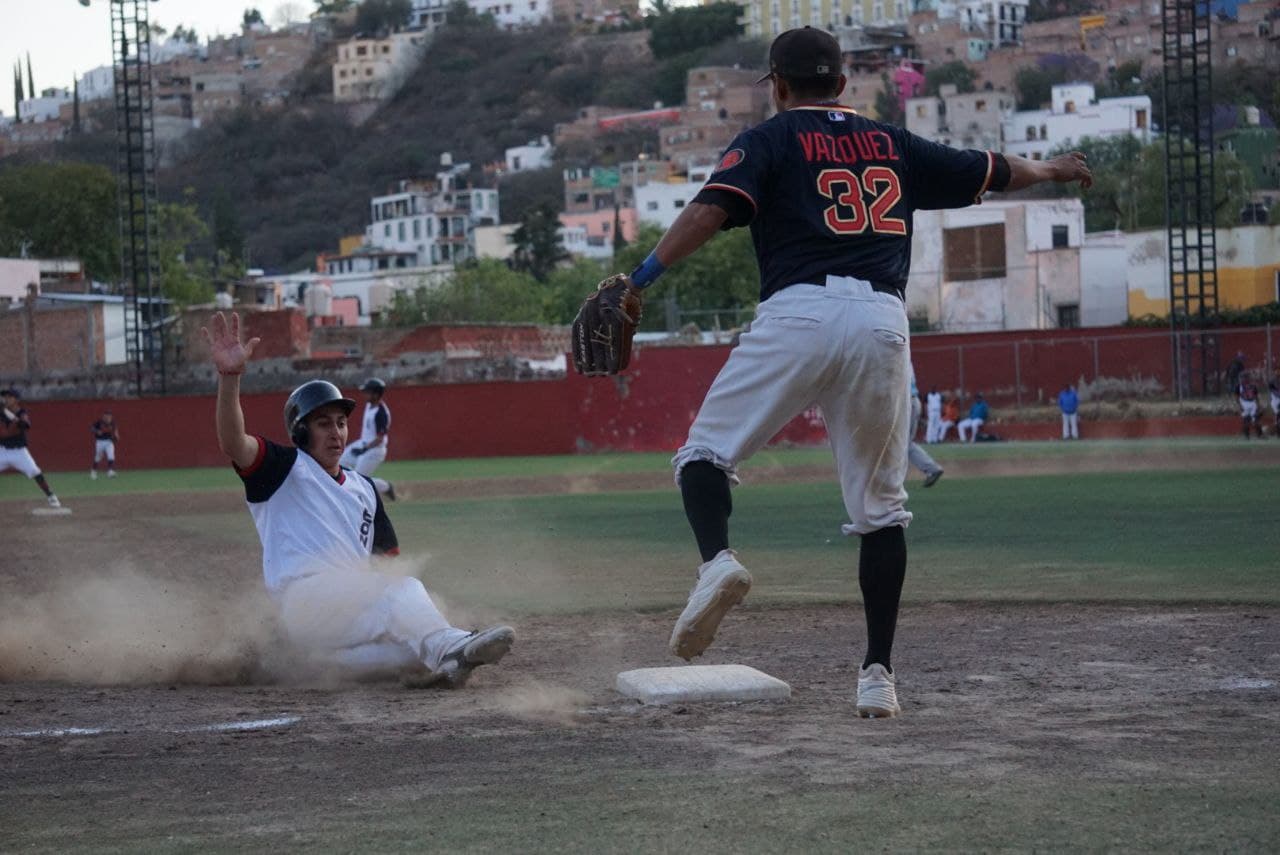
<point x="1189" y="203"/>
<point x="144" y="309"/>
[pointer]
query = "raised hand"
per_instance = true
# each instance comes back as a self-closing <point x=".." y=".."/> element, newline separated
<point x="229" y="355"/>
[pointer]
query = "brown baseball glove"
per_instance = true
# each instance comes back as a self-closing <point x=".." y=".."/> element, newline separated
<point x="605" y="324"/>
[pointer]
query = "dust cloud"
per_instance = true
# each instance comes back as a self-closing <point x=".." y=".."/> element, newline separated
<point x="122" y="626"/>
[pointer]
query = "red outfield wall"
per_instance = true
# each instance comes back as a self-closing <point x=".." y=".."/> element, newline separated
<point x="647" y="409"/>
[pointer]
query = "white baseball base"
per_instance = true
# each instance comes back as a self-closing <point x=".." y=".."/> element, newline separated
<point x="51" y="512"/>
<point x="688" y="683"/>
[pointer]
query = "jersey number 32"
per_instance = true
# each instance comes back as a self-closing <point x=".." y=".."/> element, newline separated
<point x="850" y="214"/>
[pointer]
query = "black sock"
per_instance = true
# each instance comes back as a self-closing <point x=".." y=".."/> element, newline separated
<point x="882" y="566"/>
<point x="707" y="504"/>
<point x="43" y="485"/>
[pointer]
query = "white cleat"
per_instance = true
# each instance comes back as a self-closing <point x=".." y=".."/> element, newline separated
<point x="111" y="473"/>
<point x="877" y="695"/>
<point x="93" y="474"/>
<point x="722" y="583"/>
<point x="53" y="501"/>
<point x="484" y="647"/>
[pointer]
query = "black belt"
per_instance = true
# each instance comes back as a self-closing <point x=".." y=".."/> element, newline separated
<point x="886" y="288"/>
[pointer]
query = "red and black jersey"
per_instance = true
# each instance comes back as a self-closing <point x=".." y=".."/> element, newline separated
<point x="1247" y="391"/>
<point x="104" y="430"/>
<point x="13" y="431"/>
<point x="828" y="192"/>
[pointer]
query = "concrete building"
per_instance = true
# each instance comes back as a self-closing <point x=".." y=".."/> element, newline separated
<point x="605" y="12"/>
<point x="495" y="241"/>
<point x="535" y="154"/>
<point x="373" y="69"/>
<point x="1138" y="267"/>
<point x="720" y="102"/>
<point x="603" y="188"/>
<point x="591" y="235"/>
<point x="1076" y="113"/>
<point x="97" y="84"/>
<point x="963" y="120"/>
<point x="44" y="108"/>
<point x="214" y="91"/>
<point x="434" y="220"/>
<point x="999" y="266"/>
<point x="765" y="19"/>
<point x="430" y="15"/>
<point x="1000" y="22"/>
<point x="660" y="202"/>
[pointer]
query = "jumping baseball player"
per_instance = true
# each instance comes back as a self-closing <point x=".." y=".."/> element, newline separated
<point x="15" y="421"/>
<point x="319" y="524"/>
<point x="920" y="458"/>
<point x="367" y="453"/>
<point x="105" y="437"/>
<point x="829" y="197"/>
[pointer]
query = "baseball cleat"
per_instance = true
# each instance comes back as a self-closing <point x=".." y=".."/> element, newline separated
<point x="53" y="501"/>
<point x="877" y="695"/>
<point x="93" y="474"/>
<point x="932" y="477"/>
<point x="391" y="491"/>
<point x="722" y="583"/>
<point x="111" y="473"/>
<point x="484" y="647"/>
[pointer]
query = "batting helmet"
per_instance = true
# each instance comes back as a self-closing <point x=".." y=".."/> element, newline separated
<point x="373" y="384"/>
<point x="304" y="401"/>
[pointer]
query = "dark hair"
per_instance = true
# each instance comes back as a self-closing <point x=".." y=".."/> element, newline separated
<point x="813" y="87"/>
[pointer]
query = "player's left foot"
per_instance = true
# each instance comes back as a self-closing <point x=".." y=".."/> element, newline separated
<point x="484" y="647"/>
<point x="877" y="692"/>
<point x="111" y="473"/>
<point x="391" y="491"/>
<point x="722" y="583"/>
<point x="932" y="477"/>
<point x="93" y="474"/>
<point x="53" y="501"/>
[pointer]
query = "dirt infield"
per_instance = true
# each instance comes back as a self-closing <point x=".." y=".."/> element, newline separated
<point x="1125" y="699"/>
<point x="1027" y="726"/>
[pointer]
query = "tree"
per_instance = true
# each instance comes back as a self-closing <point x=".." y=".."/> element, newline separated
<point x="289" y="13"/>
<point x="75" y="106"/>
<point x="537" y="241"/>
<point x="185" y="34"/>
<point x="485" y="291"/>
<point x="252" y="16"/>
<point x="956" y="72"/>
<point x="1035" y="83"/>
<point x="1125" y="79"/>
<point x="887" y="106"/>
<point x="1128" y="191"/>
<point x="377" y="16"/>
<point x="691" y="28"/>
<point x="333" y="7"/>
<point x="61" y="210"/>
<point x="183" y="279"/>
<point x="17" y="86"/>
<point x="1044" y="10"/>
<point x="521" y="192"/>
<point x="619" y="240"/>
<point x="31" y="80"/>
<point x="228" y="236"/>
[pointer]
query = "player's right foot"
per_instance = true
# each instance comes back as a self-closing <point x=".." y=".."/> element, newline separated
<point x="53" y="501"/>
<point x="932" y="477"/>
<point x="877" y="692"/>
<point x="484" y="647"/>
<point x="722" y="583"/>
<point x="93" y="474"/>
<point x="391" y="491"/>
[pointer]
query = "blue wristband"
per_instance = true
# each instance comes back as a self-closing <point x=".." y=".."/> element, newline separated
<point x="648" y="271"/>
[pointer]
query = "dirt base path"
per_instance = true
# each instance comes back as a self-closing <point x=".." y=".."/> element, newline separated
<point x="1053" y="701"/>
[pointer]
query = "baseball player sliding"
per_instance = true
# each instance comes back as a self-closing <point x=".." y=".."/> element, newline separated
<point x="367" y="453"/>
<point x="319" y="524"/>
<point x="15" y="421"/>
<point x="829" y="197"/>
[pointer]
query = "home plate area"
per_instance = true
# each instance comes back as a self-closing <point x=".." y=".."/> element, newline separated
<point x="688" y="683"/>
<point x="52" y="512"/>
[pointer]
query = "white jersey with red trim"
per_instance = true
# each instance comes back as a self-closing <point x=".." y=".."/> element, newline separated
<point x="308" y="521"/>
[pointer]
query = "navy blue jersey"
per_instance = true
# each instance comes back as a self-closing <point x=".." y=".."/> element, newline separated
<point x="13" y="431"/>
<point x="832" y="193"/>
<point x="103" y="430"/>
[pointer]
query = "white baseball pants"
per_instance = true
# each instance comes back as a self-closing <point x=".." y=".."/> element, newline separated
<point x="1070" y="425"/>
<point x="843" y="348"/>
<point x="104" y="449"/>
<point x="364" y="463"/>
<point x="969" y="424"/>
<point x="366" y="621"/>
<point x="1248" y="409"/>
<point x="20" y="459"/>
<point x="933" y="428"/>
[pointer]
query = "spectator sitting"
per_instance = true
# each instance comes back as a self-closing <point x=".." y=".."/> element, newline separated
<point x="977" y="416"/>
<point x="950" y="415"/>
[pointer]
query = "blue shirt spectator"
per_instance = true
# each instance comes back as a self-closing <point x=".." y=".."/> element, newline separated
<point x="978" y="410"/>
<point x="1068" y="401"/>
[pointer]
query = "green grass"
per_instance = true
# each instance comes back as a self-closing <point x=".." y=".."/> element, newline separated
<point x="1157" y="536"/>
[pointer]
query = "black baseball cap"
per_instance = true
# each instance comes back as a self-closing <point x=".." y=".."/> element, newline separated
<point x="804" y="54"/>
<point x="13" y="392"/>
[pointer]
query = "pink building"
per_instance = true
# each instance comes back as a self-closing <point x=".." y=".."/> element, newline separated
<point x="908" y="79"/>
<point x="591" y="234"/>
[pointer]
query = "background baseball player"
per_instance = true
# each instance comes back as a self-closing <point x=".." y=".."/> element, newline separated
<point x="933" y="411"/>
<point x="367" y="453"/>
<point x="829" y="197"/>
<point x="918" y="457"/>
<point x="1247" y="394"/>
<point x="15" y="421"/>
<point x="105" y="437"/>
<point x="319" y="524"/>
<point x="1273" y="387"/>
